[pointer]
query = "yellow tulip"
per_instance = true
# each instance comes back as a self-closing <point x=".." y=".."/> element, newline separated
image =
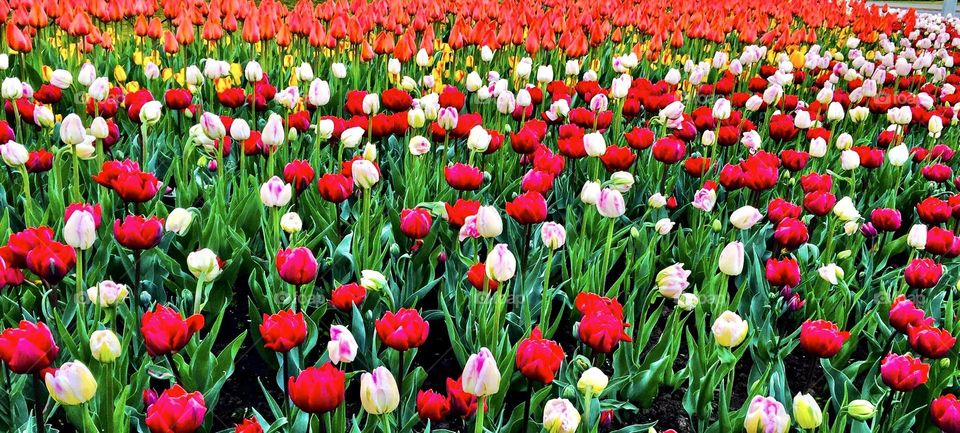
<point x="166" y="74"/>
<point x="729" y="329"/>
<point x="807" y="411"/>
<point x="46" y="72"/>
<point x="138" y="57"/>
<point x="236" y="71"/>
<point x="797" y="59"/>
<point x="71" y="384"/>
<point x="119" y="73"/>
<point x="132" y="86"/>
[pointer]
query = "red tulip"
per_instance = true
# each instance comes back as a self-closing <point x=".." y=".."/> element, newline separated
<point x="137" y="233"/>
<point x="886" y="219"/>
<point x="779" y="209"/>
<point x="335" y="188"/>
<point x="51" y="261"/>
<point x="176" y="411"/>
<point x="283" y="331"/>
<point x="782" y="128"/>
<point x="346" y="296"/>
<point x="791" y="233"/>
<point x="945" y="411"/>
<point x="317" y="390"/>
<point x="939" y="241"/>
<point x="669" y="150"/>
<point x="21" y="243"/>
<point x="402" y="330"/>
<point x="696" y="166"/>
<point x="816" y="182"/>
<point x="903" y="314"/>
<point x="923" y="273"/>
<point x="462" y="404"/>
<point x="602" y="326"/>
<point x="299" y="174"/>
<point x="639" y="138"/>
<point x="415" y="223"/>
<point x="760" y="171"/>
<point x="794" y="160"/>
<point x="528" y="208"/>
<point x="459" y="211"/>
<point x="165" y="331"/>
<point x="396" y="100"/>
<point x="538" y="358"/>
<point x="452" y="97"/>
<point x="48" y="94"/>
<point x="537" y="181"/>
<point x="903" y="372"/>
<point x="297" y="265"/>
<point x="822" y="338"/>
<point x="232" y="97"/>
<point x="28" y="348"/>
<point x="41" y="160"/>
<point x="783" y="272"/>
<point x="178" y="99"/>
<point x="249" y="425"/>
<point x="477" y="276"/>
<point x="933" y="210"/>
<point x="432" y="405"/>
<point x="937" y="173"/>
<point x="929" y="341"/>
<point x="617" y="158"/>
<point x="463" y="177"/>
<point x="819" y="203"/>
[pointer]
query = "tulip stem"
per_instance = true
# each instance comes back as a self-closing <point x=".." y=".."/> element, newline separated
<point x="283" y="382"/>
<point x="526" y="412"/>
<point x="546" y="301"/>
<point x="480" y="409"/>
<point x="76" y="176"/>
<point x="197" y="293"/>
<point x="38" y="405"/>
<point x="28" y="199"/>
<point x="606" y="249"/>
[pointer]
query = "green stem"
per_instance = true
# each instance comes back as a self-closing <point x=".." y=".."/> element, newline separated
<point x="479" y="425"/>
<point x="28" y="199"/>
<point x="545" y="301"/>
<point x="197" y="293"/>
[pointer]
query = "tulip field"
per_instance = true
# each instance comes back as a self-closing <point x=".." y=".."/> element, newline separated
<point x="504" y="216"/>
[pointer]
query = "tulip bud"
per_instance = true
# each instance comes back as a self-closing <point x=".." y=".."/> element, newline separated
<point x="304" y="72"/>
<point x="106" y="294"/>
<point x="663" y="226"/>
<point x="845" y="210"/>
<point x="831" y="273"/>
<point x="655" y="201"/>
<point x="489" y="223"/>
<point x="917" y="237"/>
<point x="61" y="79"/>
<point x="291" y="223"/>
<point x="416" y="118"/>
<point x="342" y="347"/>
<point x="767" y="415"/>
<point x="11" y="88"/>
<point x="318" y="94"/>
<point x="729" y="330"/>
<point x="610" y="203"/>
<point x="523" y="98"/>
<point x="745" y="217"/>
<point x="479" y="139"/>
<point x="419" y="145"/>
<point x="14" y="154"/>
<point x="590" y="193"/>
<point x="87" y="74"/>
<point x="371" y="104"/>
<point x="98" y="128"/>
<point x="99" y="89"/>
<point x="105" y="346"/>
<point x="72" y="384"/>
<point x="501" y="264"/>
<point x="592" y="382"/>
<point x="844" y="141"/>
<point x="43" y="116"/>
<point x="276" y="193"/>
<point x="861" y="410"/>
<point x="71" y="130"/>
<point x="365" y="174"/>
<point x="150" y="112"/>
<point x="898" y="155"/>
<point x="378" y="391"/>
<point x="553" y="235"/>
<point x="80" y="230"/>
<point x="560" y="416"/>
<point x="273" y="132"/>
<point x="369" y="152"/>
<point x="178" y="221"/>
<point x="688" y="301"/>
<point x="253" y="72"/>
<point x="672" y="281"/>
<point x="594" y="144"/>
<point x="372" y="280"/>
<point x="731" y="259"/>
<point x="204" y="263"/>
<point x="481" y="377"/>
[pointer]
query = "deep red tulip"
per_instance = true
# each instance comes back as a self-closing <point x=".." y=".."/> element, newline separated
<point x="783" y="272"/>
<point x="402" y="330"/>
<point x="929" y="341"/>
<point x="283" y="331"/>
<point x="176" y="411"/>
<point x="346" y="296"/>
<point x="178" y="99"/>
<point x="794" y="160"/>
<point x="779" y="209"/>
<point x="335" y="188"/>
<point x="903" y="314"/>
<point x="415" y="223"/>
<point x="669" y="150"/>
<point x="639" y="138"/>
<point x="537" y="181"/>
<point x="618" y="158"/>
<point x="459" y="211"/>
<point x="819" y="203"/>
<point x="51" y="261"/>
<point x="28" y="348"/>
<point x="945" y="411"/>
<point x="462" y="404"/>
<point x="299" y="174"/>
<point x="477" y="276"/>
<point x="528" y="208"/>
<point x="816" y="182"/>
<point x="432" y="405"/>
<point x="396" y="100"/>
<point x="463" y="177"/>
<point x="602" y="326"/>
<point x="249" y="425"/>
<point x="165" y="331"/>
<point x="791" y="233"/>
<point x="939" y="241"/>
<point x="933" y="210"/>
<point x="886" y="219"/>
<point x="317" y="390"/>
<point x="923" y="273"/>
<point x="297" y="265"/>
<point x="903" y="372"/>
<point x="822" y="338"/>
<point x="41" y="160"/>
<point x="138" y="233"/>
<point x="538" y="358"/>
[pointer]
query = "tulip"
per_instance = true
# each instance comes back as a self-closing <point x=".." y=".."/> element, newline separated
<point x="917" y="237"/>
<point x="929" y="341"/>
<point x="273" y="132"/>
<point x="372" y="280"/>
<point x="365" y="174"/>
<point x="212" y="126"/>
<point x="479" y="139"/>
<point x="594" y="144"/>
<point x="610" y="203"/>
<point x="945" y="411"/>
<point x="28" y="348"/>
<point x="178" y="221"/>
<point x="432" y="405"/>
<point x="560" y="416"/>
<point x="766" y="415"/>
<point x="688" y="301"/>
<point x="204" y="264"/>
<point x="845" y="210"/>
<point x="80" y="230"/>
<point x="537" y="358"/>
<point x="745" y="217"/>
<point x="177" y="411"/>
<point x="317" y="390"/>
<point x="923" y="273"/>
<point x="731" y="259"/>
<point x="283" y="331"/>
<point x="729" y="329"/>
<point x="14" y="154"/>
<point x="296" y="266"/>
<point x="342" y="347"/>
<point x="275" y="192"/>
<point x="402" y="330"/>
<point x="672" y="281"/>
<point x="165" y="331"/>
<point x="318" y="94"/>
<point x="107" y="293"/>
<point x="592" y="382"/>
<point x="553" y="235"/>
<point x="861" y="409"/>
<point x="501" y="263"/>
<point x="249" y="425"/>
<point x="378" y="391"/>
<point x="105" y="346"/>
<point x="822" y="338"/>
<point x="807" y="411"/>
<point x="489" y="223"/>
<point x="590" y="193"/>
<point x="72" y="384"/>
<point x="150" y="112"/>
<point x="903" y="372"/>
<point x="481" y="377"/>
<point x="415" y="223"/>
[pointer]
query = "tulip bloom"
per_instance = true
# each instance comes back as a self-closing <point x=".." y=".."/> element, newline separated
<point x="930" y="342"/>
<point x="415" y="223"/>
<point x="28" y="348"/>
<point x="481" y="377"/>
<point x="71" y="384"/>
<point x="822" y="338"/>
<point x="766" y="415"/>
<point x="432" y="405"/>
<point x="731" y="259"/>
<point x="903" y="372"/>
<point x="335" y="188"/>
<point x="729" y="329"/>
<point x="342" y="347"/>
<point x="317" y="390"/>
<point x="137" y="232"/>
<point x="176" y="410"/>
<point x="560" y="416"/>
<point x="296" y="266"/>
<point x="378" y="391"/>
<point x="402" y="330"/>
<point x="672" y="281"/>
<point x="923" y="273"/>
<point x="165" y="331"/>
<point x="528" y="208"/>
<point x="903" y="314"/>
<point x="346" y="296"/>
<point x="538" y="358"/>
<point x="283" y="331"/>
<point x="501" y="263"/>
<point x="945" y="411"/>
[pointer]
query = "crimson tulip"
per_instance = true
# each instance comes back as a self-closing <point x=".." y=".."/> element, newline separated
<point x="317" y="390"/>
<point x="283" y="331"/>
<point x="822" y="338"/>
<point x="297" y="265"/>
<point x="903" y="372"/>
<point x="165" y="331"/>
<point x="402" y="330"/>
<point x="538" y="358"/>
<point x="28" y="348"/>
<point x="176" y="411"/>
